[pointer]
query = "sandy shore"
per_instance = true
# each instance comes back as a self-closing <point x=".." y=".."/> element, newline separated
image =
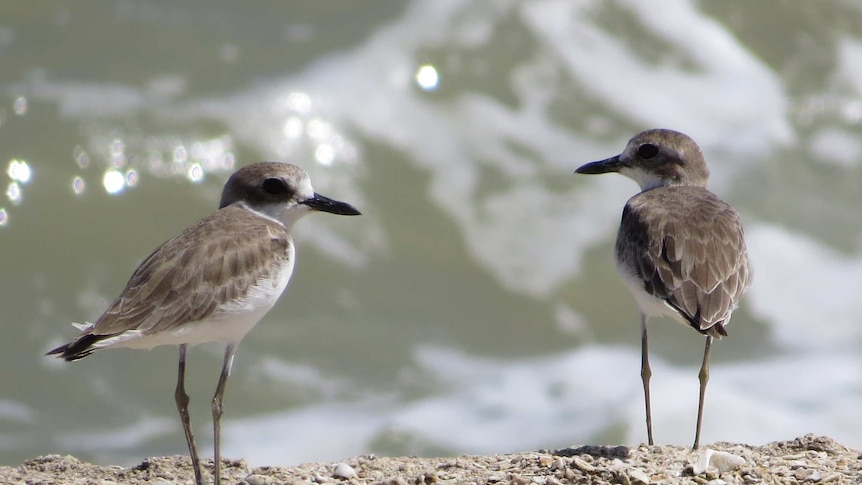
<point x="809" y="459"/>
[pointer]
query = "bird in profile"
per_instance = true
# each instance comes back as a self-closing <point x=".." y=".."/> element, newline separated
<point x="213" y="282"/>
<point x="680" y="249"/>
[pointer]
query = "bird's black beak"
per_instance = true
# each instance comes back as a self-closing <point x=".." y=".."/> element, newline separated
<point x="325" y="204"/>
<point x="612" y="164"/>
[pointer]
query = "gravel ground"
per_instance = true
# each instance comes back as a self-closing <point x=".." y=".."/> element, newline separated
<point x="809" y="459"/>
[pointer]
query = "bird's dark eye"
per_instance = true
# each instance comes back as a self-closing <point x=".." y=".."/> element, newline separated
<point x="647" y="151"/>
<point x="274" y="186"/>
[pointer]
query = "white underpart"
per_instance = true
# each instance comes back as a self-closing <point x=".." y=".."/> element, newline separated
<point x="646" y="180"/>
<point x="648" y="304"/>
<point x="232" y="322"/>
<point x="230" y="328"/>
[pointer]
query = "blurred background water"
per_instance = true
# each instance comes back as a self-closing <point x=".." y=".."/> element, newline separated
<point x="474" y="307"/>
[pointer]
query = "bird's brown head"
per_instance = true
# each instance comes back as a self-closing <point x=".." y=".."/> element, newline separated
<point x="656" y="158"/>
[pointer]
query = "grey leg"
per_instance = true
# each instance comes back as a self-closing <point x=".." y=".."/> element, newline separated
<point x="217" y="408"/>
<point x="703" y="376"/>
<point x="182" y="400"/>
<point x="646" y="373"/>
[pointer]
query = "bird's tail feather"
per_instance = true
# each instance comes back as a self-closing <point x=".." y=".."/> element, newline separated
<point x="78" y="348"/>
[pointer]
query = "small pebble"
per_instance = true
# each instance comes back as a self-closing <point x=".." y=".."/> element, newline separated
<point x="726" y="462"/>
<point x="256" y="480"/>
<point x="519" y="480"/>
<point x="426" y="479"/>
<point x="639" y="477"/>
<point x="720" y="460"/>
<point x="583" y="465"/>
<point x="345" y="471"/>
<point x="805" y="474"/>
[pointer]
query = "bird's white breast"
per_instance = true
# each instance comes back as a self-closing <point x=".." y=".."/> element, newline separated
<point x="266" y="291"/>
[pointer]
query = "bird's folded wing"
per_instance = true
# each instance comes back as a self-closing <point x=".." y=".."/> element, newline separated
<point x="186" y="278"/>
<point x="693" y="257"/>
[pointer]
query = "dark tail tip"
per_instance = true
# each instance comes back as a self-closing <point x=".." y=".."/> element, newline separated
<point x="716" y="331"/>
<point x="78" y="348"/>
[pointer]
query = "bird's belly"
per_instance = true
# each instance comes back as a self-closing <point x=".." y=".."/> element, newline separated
<point x="226" y="329"/>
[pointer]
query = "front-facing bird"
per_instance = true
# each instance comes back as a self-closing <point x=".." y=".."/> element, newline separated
<point x="214" y="281"/>
<point x="680" y="249"/>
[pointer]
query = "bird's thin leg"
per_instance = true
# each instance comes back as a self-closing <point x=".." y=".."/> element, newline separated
<point x="703" y="376"/>
<point x="182" y="400"/>
<point x="217" y="409"/>
<point x="646" y="373"/>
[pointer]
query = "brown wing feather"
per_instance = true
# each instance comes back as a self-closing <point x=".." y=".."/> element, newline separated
<point x="151" y="301"/>
<point x="690" y="251"/>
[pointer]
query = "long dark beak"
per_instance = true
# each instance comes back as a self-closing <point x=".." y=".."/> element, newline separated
<point x="612" y="164"/>
<point x="325" y="204"/>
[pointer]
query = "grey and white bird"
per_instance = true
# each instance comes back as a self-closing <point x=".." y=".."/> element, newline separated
<point x="213" y="282"/>
<point x="680" y="249"/>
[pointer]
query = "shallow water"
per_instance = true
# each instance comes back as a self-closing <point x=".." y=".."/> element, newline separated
<point x="474" y="307"/>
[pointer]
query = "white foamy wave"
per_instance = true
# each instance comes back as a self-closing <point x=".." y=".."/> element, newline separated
<point x="15" y="411"/>
<point x="850" y="56"/>
<point x="322" y="432"/>
<point x="807" y="293"/>
<point x="743" y="99"/>
<point x="117" y="439"/>
<point x="495" y="406"/>
<point x="840" y="147"/>
<point x="482" y="406"/>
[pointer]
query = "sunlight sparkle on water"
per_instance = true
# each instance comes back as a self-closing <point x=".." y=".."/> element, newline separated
<point x="14" y="193"/>
<point x="19" y="171"/>
<point x="118" y="153"/>
<point x="4" y="217"/>
<point x="81" y="157"/>
<point x="195" y="173"/>
<point x="180" y="153"/>
<point x="114" y="181"/>
<point x="427" y="77"/>
<point x="20" y="105"/>
<point x="78" y="185"/>
<point x="131" y="177"/>
<point x="293" y="127"/>
<point x="299" y="102"/>
<point x="319" y="130"/>
<point x="324" y="154"/>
